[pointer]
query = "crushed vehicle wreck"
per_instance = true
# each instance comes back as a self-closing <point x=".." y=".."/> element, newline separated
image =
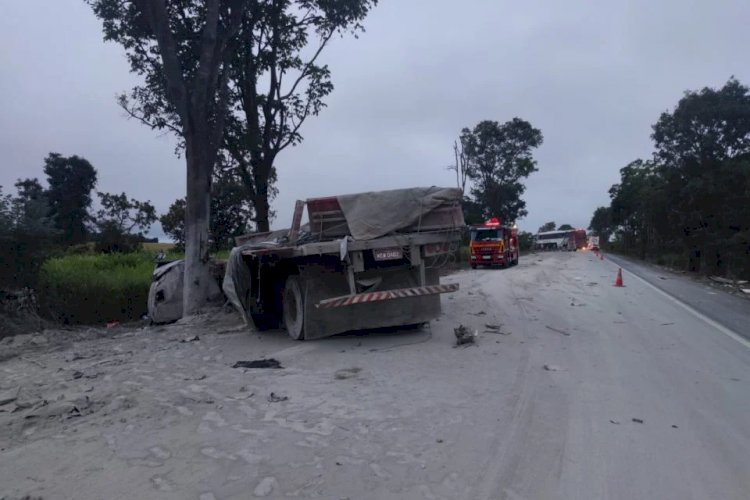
<point x="365" y="260"/>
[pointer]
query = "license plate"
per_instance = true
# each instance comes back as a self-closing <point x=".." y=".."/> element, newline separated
<point x="388" y="254"/>
<point x="487" y="257"/>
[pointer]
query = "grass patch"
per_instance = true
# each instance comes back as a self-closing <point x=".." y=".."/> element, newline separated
<point x="98" y="288"/>
<point x="158" y="247"/>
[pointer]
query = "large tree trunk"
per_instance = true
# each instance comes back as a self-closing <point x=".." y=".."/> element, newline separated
<point x="260" y="200"/>
<point x="197" y="216"/>
<point x="262" y="209"/>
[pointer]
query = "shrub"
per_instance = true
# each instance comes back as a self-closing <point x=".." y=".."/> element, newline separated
<point x="95" y="288"/>
<point x="112" y="239"/>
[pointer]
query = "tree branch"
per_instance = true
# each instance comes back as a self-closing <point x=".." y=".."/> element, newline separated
<point x="142" y="119"/>
<point x="309" y="64"/>
<point x="155" y="13"/>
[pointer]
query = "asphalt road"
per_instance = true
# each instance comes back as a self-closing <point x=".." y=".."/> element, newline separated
<point x="576" y="390"/>
<point x="648" y="400"/>
<point x="731" y="311"/>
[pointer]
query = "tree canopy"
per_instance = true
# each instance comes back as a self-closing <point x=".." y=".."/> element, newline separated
<point x="70" y="181"/>
<point x="182" y="49"/>
<point x="231" y="213"/>
<point x="277" y="82"/>
<point x="691" y="199"/>
<point x="498" y="157"/>
<point x="547" y="226"/>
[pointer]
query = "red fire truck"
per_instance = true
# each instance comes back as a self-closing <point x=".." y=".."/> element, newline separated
<point x="493" y="244"/>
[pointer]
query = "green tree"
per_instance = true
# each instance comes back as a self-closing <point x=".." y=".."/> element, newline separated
<point x="277" y="83"/>
<point x="231" y="212"/>
<point x="601" y="224"/>
<point x="29" y="190"/>
<point x="547" y="226"/>
<point x="27" y="238"/>
<point x="703" y="147"/>
<point x="122" y="222"/>
<point x="182" y="49"/>
<point x="525" y="241"/>
<point x="128" y="215"/>
<point x="498" y="158"/>
<point x="173" y="223"/>
<point x="70" y="181"/>
<point x="565" y="227"/>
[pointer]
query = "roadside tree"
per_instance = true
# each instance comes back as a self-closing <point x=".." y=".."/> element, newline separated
<point x="499" y="157"/>
<point x="70" y="181"/>
<point x="182" y="49"/>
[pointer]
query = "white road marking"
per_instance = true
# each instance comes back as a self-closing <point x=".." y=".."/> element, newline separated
<point x="726" y="331"/>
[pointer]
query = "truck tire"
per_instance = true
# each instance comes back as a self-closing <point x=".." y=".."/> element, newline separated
<point x="294" y="308"/>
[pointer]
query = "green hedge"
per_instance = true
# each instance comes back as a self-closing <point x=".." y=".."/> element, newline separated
<point x="95" y="288"/>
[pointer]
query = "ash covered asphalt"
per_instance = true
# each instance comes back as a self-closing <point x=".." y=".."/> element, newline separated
<point x="574" y="389"/>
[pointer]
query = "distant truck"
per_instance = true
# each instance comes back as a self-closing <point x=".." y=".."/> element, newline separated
<point x="493" y="244"/>
<point x="580" y="239"/>
<point x="594" y="243"/>
<point x="363" y="261"/>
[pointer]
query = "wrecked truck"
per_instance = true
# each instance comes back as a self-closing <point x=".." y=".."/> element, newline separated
<point x="362" y="261"/>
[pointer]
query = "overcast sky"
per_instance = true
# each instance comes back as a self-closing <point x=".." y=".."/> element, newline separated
<point x="592" y="75"/>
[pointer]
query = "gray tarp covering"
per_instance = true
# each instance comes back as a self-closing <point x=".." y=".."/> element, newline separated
<point x="375" y="214"/>
<point x="236" y="284"/>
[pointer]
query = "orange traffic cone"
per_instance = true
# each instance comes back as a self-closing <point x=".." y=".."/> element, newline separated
<point x="618" y="281"/>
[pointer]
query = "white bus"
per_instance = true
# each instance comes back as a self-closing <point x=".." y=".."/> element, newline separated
<point x="553" y="240"/>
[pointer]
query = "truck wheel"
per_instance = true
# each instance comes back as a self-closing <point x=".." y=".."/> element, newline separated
<point x="294" y="308"/>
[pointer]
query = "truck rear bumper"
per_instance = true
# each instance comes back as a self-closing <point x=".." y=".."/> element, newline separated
<point x="400" y="293"/>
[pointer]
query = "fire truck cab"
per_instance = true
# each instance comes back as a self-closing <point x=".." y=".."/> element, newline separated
<point x="493" y="244"/>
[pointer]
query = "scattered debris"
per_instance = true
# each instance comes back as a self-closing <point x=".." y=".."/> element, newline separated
<point x="9" y="396"/>
<point x="616" y="422"/>
<point x="347" y="373"/>
<point x="480" y="313"/>
<point x="637" y="420"/>
<point x="551" y="368"/>
<point x="113" y="324"/>
<point x="438" y="440"/>
<point x="258" y="363"/>
<point x="495" y="329"/>
<point x="558" y="331"/>
<point x="273" y="398"/>
<point x="662" y="278"/>
<point x="194" y="338"/>
<point x="667" y="324"/>
<point x="592" y="283"/>
<point x="77" y="375"/>
<point x="464" y="336"/>
<point x="745" y="290"/>
<point x="674" y="426"/>
<point x="37" y="363"/>
<point x="723" y="281"/>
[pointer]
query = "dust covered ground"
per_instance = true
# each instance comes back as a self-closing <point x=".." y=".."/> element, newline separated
<point x="574" y="389"/>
